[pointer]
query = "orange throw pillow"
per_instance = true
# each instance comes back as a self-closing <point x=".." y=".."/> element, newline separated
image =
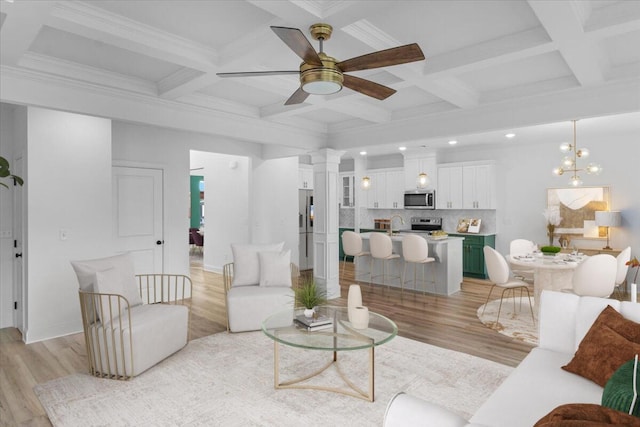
<point x="586" y="415"/>
<point x="611" y="341"/>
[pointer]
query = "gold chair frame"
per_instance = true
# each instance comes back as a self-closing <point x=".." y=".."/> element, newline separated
<point x="227" y="276"/>
<point x="154" y="289"/>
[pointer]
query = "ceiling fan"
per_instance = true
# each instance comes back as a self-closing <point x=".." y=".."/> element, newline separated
<point x="321" y="74"/>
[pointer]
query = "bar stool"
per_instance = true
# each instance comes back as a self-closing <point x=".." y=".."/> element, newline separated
<point x="352" y="246"/>
<point x="416" y="251"/>
<point x="381" y="248"/>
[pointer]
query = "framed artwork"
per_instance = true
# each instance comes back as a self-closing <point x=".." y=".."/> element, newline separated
<point x="474" y="225"/>
<point x="578" y="206"/>
<point x="463" y="225"/>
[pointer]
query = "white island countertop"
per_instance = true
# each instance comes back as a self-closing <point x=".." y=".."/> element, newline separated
<point x="397" y="237"/>
<point x="448" y="265"/>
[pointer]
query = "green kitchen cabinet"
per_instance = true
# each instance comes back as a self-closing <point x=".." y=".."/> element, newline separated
<point x="473" y="264"/>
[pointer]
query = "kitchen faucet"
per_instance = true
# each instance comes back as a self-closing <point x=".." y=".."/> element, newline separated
<point x="391" y="222"/>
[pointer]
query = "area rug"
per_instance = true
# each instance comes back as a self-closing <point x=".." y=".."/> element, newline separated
<point x="516" y="323"/>
<point x="227" y="380"/>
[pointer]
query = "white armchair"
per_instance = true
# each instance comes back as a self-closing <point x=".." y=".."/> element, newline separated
<point x="257" y="284"/>
<point x="131" y="322"/>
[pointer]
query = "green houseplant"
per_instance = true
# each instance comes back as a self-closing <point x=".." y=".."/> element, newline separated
<point x="308" y="295"/>
<point x="5" y="172"/>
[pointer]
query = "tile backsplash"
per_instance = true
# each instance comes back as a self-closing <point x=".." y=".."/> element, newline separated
<point x="449" y="217"/>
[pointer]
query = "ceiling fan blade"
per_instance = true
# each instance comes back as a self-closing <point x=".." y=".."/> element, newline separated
<point x="298" y="97"/>
<point x="257" y="73"/>
<point x="383" y="58"/>
<point x="367" y="87"/>
<point x="298" y="43"/>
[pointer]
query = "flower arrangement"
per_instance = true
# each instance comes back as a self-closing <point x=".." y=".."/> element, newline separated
<point x="552" y="215"/>
<point x="634" y="263"/>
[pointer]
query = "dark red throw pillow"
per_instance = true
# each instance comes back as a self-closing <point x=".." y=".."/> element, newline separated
<point x="611" y="341"/>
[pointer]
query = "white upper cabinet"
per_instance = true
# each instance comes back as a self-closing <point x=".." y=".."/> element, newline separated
<point x="414" y="166"/>
<point x="478" y="187"/>
<point x="386" y="190"/>
<point x="347" y="190"/>
<point x="449" y="192"/>
<point x="305" y="177"/>
<point x="395" y="190"/>
<point x="469" y="185"/>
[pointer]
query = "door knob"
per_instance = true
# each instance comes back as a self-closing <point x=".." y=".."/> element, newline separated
<point x="159" y="242"/>
<point x="19" y="255"/>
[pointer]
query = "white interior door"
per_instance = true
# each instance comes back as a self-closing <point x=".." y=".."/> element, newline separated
<point x="137" y="216"/>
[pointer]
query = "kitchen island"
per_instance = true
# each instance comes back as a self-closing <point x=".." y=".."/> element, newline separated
<point x="448" y="265"/>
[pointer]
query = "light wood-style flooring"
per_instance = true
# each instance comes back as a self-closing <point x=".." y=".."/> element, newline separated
<point x="448" y="322"/>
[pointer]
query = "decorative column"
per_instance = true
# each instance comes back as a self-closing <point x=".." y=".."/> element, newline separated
<point x="325" y="222"/>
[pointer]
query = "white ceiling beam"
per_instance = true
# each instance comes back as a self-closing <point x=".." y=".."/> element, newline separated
<point x="85" y="20"/>
<point x="613" y="98"/>
<point x="618" y="18"/>
<point x="21" y="27"/>
<point x="452" y="90"/>
<point x="564" y="24"/>
<point x="57" y="92"/>
<point x="86" y="73"/>
<point x="503" y="50"/>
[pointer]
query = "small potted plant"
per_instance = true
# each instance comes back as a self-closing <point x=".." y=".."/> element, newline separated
<point x="308" y="295"/>
<point x="5" y="172"/>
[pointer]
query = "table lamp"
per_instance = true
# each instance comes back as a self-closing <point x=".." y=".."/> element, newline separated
<point x="607" y="219"/>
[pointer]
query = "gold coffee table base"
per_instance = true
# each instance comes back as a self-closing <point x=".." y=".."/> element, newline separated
<point x="354" y="391"/>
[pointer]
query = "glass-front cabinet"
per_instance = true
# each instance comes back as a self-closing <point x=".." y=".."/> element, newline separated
<point x="347" y="189"/>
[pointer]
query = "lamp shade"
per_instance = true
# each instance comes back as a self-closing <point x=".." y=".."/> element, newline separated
<point x="608" y="218"/>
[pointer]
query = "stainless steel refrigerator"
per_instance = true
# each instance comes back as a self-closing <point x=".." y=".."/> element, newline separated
<point x="305" y="223"/>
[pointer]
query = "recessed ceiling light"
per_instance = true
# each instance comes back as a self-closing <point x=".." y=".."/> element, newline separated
<point x="453" y="142"/>
<point x="510" y="135"/>
<point x="402" y="148"/>
<point x="363" y="153"/>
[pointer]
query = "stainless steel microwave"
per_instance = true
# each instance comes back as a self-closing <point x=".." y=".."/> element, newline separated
<point x="420" y="199"/>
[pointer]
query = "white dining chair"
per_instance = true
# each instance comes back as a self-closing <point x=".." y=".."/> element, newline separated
<point x="499" y="275"/>
<point x="520" y="247"/>
<point x="352" y="246"/>
<point x="415" y="250"/>
<point x="595" y="276"/>
<point x="381" y="249"/>
<point x="621" y="272"/>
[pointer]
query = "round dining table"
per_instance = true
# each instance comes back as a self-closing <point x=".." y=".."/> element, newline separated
<point x="549" y="272"/>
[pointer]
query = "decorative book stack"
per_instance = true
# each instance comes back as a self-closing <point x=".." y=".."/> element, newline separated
<point x="314" y="323"/>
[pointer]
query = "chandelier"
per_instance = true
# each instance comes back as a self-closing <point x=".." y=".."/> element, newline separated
<point x="570" y="162"/>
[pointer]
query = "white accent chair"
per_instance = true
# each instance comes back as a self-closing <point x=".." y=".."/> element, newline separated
<point x="621" y="274"/>
<point x="352" y="246"/>
<point x="595" y="276"/>
<point x="415" y="250"/>
<point x="131" y="322"/>
<point x="257" y="284"/>
<point x="499" y="275"/>
<point x="519" y="247"/>
<point x="381" y="249"/>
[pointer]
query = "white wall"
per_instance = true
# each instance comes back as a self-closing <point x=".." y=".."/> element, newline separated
<point x="246" y="200"/>
<point x="226" y="205"/>
<point x="524" y="175"/>
<point x="68" y="187"/>
<point x="275" y="203"/>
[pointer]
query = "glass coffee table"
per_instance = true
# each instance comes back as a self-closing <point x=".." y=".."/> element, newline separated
<point x="342" y="336"/>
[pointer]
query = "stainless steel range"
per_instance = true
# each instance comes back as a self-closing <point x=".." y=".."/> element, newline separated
<point x="425" y="225"/>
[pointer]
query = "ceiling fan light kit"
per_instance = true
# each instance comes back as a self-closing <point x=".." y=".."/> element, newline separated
<point x="321" y="74"/>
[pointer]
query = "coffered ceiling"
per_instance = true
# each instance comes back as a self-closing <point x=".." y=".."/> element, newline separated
<point x="490" y="66"/>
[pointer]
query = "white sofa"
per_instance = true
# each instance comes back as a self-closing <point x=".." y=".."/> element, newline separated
<point x="538" y="384"/>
